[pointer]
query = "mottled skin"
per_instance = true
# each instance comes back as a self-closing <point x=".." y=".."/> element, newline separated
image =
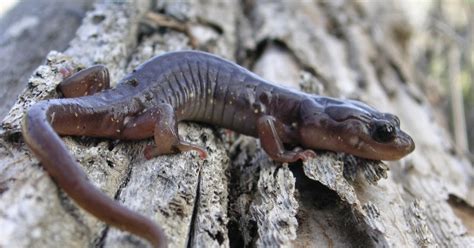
<point x="196" y="86"/>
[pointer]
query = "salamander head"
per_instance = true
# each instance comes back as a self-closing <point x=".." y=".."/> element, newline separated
<point x="352" y="127"/>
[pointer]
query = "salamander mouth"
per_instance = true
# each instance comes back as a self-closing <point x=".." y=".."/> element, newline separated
<point x="362" y="144"/>
<point x="399" y="147"/>
<point x="407" y="142"/>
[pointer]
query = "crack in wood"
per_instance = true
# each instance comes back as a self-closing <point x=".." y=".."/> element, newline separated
<point x="195" y="212"/>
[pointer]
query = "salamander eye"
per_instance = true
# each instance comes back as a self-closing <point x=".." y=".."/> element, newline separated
<point x="383" y="131"/>
<point x="397" y="121"/>
<point x="392" y="118"/>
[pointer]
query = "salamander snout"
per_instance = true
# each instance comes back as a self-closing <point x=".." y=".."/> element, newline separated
<point x="388" y="140"/>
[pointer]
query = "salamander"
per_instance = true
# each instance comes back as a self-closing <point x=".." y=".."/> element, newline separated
<point x="199" y="87"/>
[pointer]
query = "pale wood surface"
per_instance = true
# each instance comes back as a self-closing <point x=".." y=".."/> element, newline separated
<point x="238" y="196"/>
<point x="27" y="33"/>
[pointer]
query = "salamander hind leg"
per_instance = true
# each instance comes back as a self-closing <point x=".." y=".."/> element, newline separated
<point x="273" y="146"/>
<point x="85" y="82"/>
<point x="165" y="133"/>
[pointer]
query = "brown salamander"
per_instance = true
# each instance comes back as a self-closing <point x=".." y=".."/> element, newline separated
<point x="200" y="87"/>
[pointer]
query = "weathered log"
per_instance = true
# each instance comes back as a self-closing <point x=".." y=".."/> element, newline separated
<point x="238" y="196"/>
<point x="27" y="33"/>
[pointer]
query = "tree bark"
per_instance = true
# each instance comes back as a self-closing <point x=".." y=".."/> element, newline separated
<point x="27" y="33"/>
<point x="238" y="196"/>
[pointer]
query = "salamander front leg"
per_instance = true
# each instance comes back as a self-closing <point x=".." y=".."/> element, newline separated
<point x="273" y="146"/>
<point x="86" y="82"/>
<point x="166" y="136"/>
